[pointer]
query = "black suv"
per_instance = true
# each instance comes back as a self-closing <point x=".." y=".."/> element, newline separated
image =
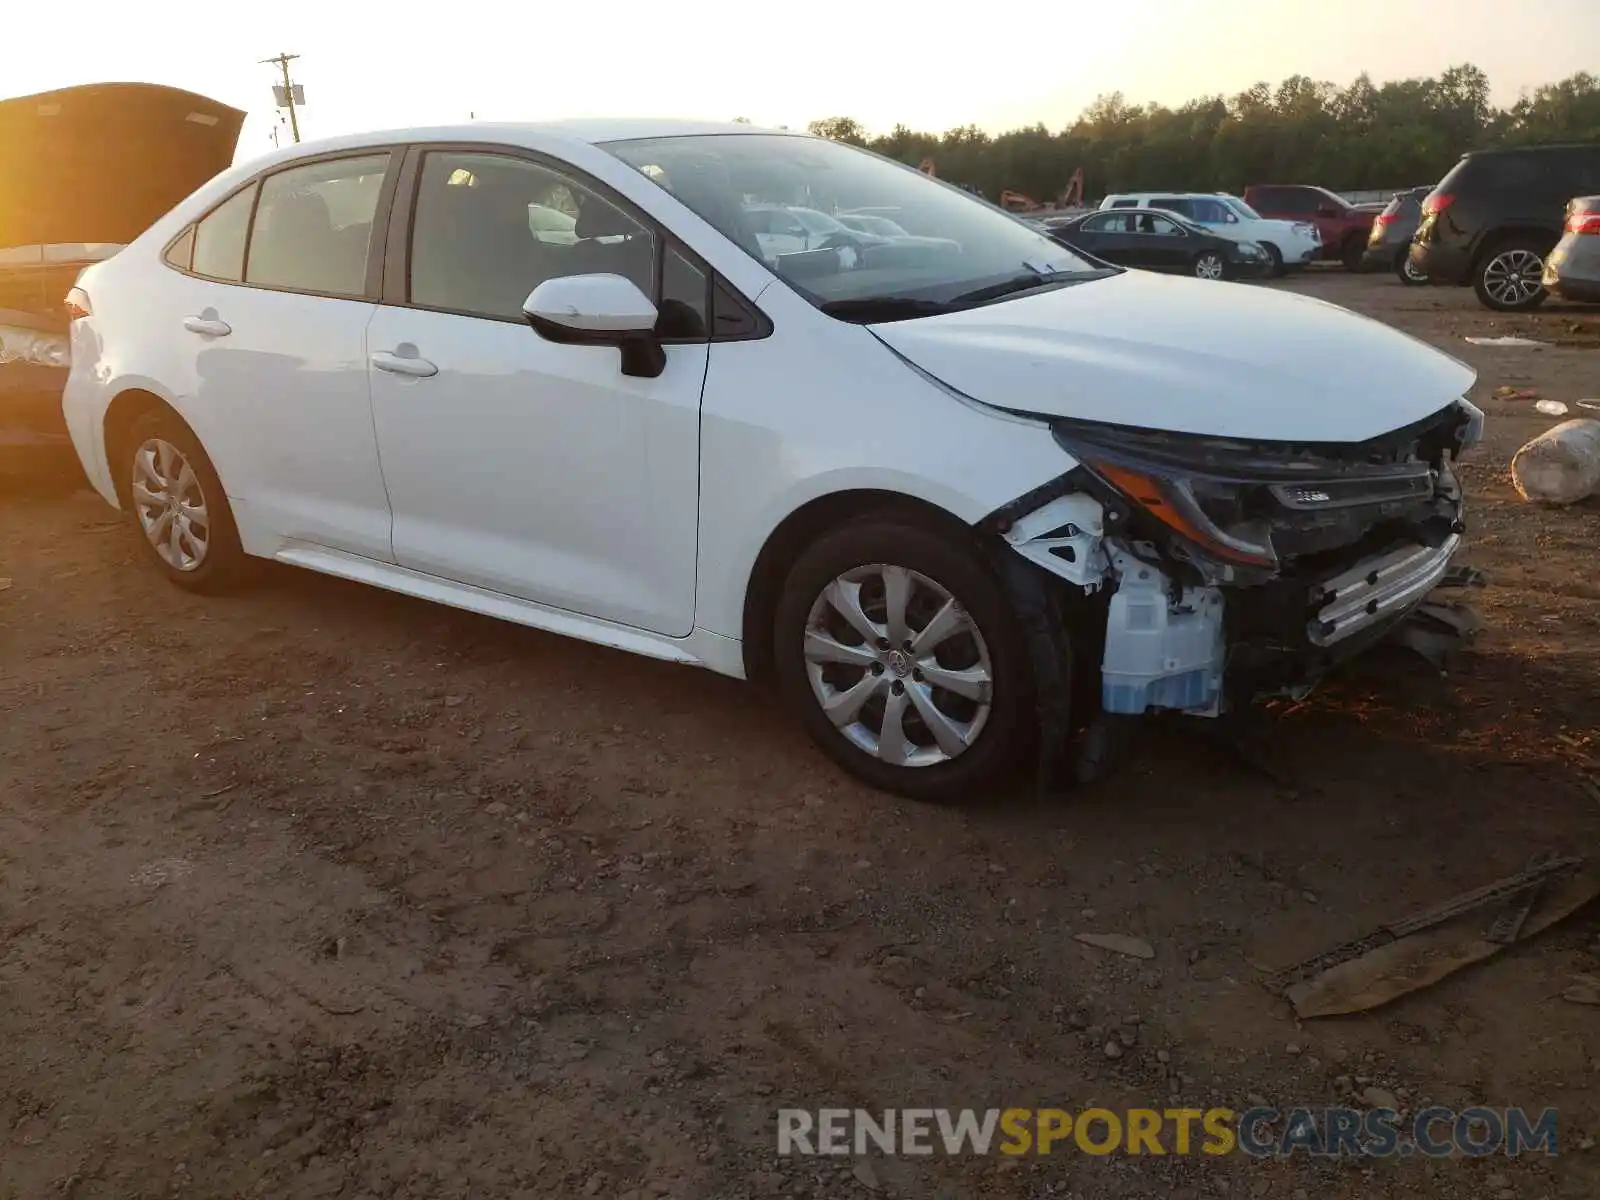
<point x="1494" y="217"/>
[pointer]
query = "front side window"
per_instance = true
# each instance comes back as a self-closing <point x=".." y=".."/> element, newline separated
<point x="482" y="247"/>
<point x="313" y="226"/>
<point x="958" y="249"/>
<point x="1207" y="211"/>
<point x="219" y="238"/>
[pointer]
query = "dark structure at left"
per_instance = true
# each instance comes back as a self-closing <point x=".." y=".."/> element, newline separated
<point x="83" y="171"/>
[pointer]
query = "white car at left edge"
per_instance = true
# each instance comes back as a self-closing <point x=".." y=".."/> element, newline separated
<point x="962" y="494"/>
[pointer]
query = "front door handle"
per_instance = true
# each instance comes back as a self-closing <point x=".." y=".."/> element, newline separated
<point x="404" y="364"/>
<point x="207" y="324"/>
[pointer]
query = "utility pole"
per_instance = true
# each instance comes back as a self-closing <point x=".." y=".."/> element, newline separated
<point x="282" y="62"/>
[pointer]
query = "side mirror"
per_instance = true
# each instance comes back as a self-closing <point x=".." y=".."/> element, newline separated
<point x="1327" y="210"/>
<point x="599" y="310"/>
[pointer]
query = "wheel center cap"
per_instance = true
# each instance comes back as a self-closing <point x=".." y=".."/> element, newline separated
<point x="899" y="663"/>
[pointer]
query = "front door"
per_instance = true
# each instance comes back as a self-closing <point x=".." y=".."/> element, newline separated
<point x="516" y="464"/>
<point x="1163" y="245"/>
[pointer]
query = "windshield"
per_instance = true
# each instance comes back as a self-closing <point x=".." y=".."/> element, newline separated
<point x="969" y="251"/>
<point x="1240" y="207"/>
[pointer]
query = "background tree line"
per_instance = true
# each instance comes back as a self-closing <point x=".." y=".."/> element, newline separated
<point x="1405" y="133"/>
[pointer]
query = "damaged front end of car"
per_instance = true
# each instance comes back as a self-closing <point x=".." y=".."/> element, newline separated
<point x="1196" y="574"/>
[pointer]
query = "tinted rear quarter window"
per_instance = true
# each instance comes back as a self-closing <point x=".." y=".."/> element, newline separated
<point x="219" y="239"/>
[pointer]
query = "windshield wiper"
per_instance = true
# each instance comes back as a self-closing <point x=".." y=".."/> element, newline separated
<point x="1027" y="281"/>
<point x="884" y="308"/>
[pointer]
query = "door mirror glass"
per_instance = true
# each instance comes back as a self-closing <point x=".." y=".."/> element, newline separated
<point x="592" y="304"/>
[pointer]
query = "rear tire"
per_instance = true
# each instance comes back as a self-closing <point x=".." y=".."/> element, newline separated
<point x="1209" y="265"/>
<point x="1275" y="261"/>
<point x="1509" y="275"/>
<point x="177" y="506"/>
<point x="893" y="725"/>
<point x="1408" y="274"/>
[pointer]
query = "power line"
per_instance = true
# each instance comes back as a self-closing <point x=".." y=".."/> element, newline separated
<point x="282" y="62"/>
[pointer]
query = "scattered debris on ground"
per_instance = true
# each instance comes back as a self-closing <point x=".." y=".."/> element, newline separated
<point x="1418" y="951"/>
<point x="1505" y="341"/>
<point x="1561" y="465"/>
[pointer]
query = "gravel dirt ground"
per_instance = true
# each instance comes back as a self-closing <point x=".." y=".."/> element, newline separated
<point x="320" y="891"/>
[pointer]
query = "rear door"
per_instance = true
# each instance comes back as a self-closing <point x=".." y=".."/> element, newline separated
<point x="1104" y="236"/>
<point x="269" y="312"/>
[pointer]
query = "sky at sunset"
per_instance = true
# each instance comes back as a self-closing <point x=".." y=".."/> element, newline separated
<point x="932" y="65"/>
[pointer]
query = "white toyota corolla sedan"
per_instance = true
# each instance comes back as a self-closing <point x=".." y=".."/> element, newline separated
<point x="959" y="495"/>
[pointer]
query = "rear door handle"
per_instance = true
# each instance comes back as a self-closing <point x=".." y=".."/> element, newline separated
<point x="207" y="326"/>
<point x="398" y="364"/>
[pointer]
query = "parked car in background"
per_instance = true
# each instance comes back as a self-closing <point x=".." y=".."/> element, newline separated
<point x="1289" y="245"/>
<point x="1153" y="240"/>
<point x="921" y="493"/>
<point x="1494" y="217"/>
<point x="1572" y="269"/>
<point x="795" y="228"/>
<point x="868" y="223"/>
<point x="83" y="171"/>
<point x="1389" y="244"/>
<point x="1342" y="226"/>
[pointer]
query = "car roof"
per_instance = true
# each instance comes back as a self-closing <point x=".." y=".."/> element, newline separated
<point x="594" y="131"/>
<point x="1532" y="146"/>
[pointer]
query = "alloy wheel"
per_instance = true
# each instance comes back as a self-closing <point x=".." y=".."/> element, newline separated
<point x="1411" y="271"/>
<point x="170" y="505"/>
<point x="1513" y="277"/>
<point x="898" y="665"/>
<point x="1208" y="266"/>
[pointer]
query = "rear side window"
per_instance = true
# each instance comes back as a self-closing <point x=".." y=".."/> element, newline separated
<point x="219" y="239"/>
<point x="1545" y="172"/>
<point x="313" y="227"/>
<point x="1284" y="200"/>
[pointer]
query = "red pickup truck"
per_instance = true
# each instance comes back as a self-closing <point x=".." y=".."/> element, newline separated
<point x="1344" y="227"/>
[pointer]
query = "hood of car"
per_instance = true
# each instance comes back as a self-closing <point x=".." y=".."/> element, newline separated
<point x="100" y="163"/>
<point x="1186" y="356"/>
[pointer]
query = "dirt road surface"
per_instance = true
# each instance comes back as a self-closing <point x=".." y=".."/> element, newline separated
<point x="319" y="891"/>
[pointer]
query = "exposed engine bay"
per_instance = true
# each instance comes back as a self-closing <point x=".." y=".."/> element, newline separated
<point x="1224" y="571"/>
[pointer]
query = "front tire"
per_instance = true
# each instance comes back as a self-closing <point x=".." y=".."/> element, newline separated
<point x="178" y="508"/>
<point x="901" y="653"/>
<point x="1274" y="261"/>
<point x="1510" y="276"/>
<point x="1352" y="253"/>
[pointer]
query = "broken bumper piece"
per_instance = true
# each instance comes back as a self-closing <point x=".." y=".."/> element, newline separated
<point x="1377" y="589"/>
